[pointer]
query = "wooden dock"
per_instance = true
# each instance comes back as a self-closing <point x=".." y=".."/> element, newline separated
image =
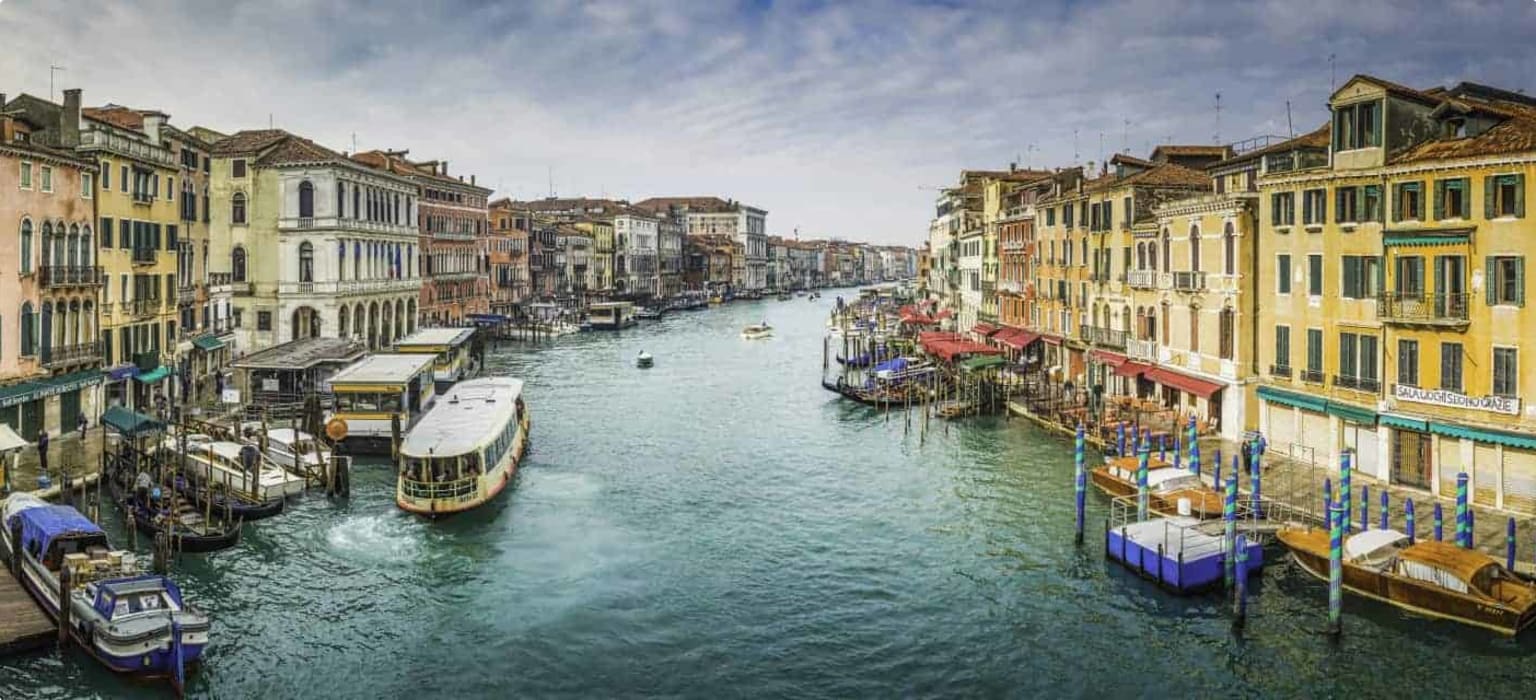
<point x="23" y="624"/>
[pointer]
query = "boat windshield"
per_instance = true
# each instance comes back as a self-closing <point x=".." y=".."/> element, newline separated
<point x="348" y="402"/>
<point x="442" y="469"/>
<point x="1181" y="483"/>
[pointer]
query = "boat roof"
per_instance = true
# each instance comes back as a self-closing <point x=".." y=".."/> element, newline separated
<point x="1464" y="563"/>
<point x="610" y="304"/>
<point x="388" y="368"/>
<point x="44" y="524"/>
<point x="472" y="411"/>
<point x="1156" y="477"/>
<point x="1364" y="543"/>
<point x="286" y="435"/>
<point x="303" y="353"/>
<point x="436" y="336"/>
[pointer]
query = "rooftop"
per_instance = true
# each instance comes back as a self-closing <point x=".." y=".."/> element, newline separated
<point x="470" y="414"/>
<point x="303" y="354"/>
<point x="436" y="336"/>
<point x="387" y="368"/>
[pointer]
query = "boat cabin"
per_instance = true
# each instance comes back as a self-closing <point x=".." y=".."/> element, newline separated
<point x="611" y="315"/>
<point x="460" y="453"/>
<point x="373" y="392"/>
<point x="53" y="535"/>
<point x="129" y="598"/>
<point x="450" y="345"/>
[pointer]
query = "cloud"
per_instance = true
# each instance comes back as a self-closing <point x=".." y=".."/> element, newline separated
<point x="830" y="115"/>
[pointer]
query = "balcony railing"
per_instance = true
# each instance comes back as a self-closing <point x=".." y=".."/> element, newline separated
<point x="1357" y="383"/>
<point x="1427" y="309"/>
<point x="57" y="276"/>
<point x="1145" y="350"/>
<point x="186" y="294"/>
<point x="1312" y="375"/>
<point x="59" y="356"/>
<point x="145" y="255"/>
<point x="1142" y="279"/>
<point x="1189" y="281"/>
<point x="349" y="287"/>
<point x="140" y="307"/>
<point x="1279" y="370"/>
<point x="1102" y="337"/>
<point x="453" y="235"/>
<point x="141" y="197"/>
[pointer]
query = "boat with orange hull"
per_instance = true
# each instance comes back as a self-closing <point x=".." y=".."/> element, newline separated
<point x="1437" y="579"/>
<point x="466" y="450"/>
<point x="1167" y="485"/>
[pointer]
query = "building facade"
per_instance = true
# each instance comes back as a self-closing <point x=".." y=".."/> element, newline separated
<point x="507" y="255"/>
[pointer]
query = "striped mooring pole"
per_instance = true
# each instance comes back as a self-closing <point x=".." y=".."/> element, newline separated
<point x="1178" y="452"/>
<point x="1385" y="502"/>
<point x="1336" y="515"/>
<point x="1142" y="492"/>
<point x="1471" y="528"/>
<point x="1345" y="460"/>
<point x="1365" y="507"/>
<point x="1509" y="545"/>
<point x="1461" y="510"/>
<point x="1256" y="478"/>
<point x="1439" y="523"/>
<point x="1194" y="447"/>
<point x="1080" y="479"/>
<point x="1413" y="535"/>
<point x="1216" y="481"/>
<point x="1229" y="539"/>
<point x="1120" y="441"/>
<point x="1240" y="600"/>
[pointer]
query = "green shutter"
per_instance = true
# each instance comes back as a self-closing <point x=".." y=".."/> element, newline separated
<point x="1488" y="190"/>
<point x="1351" y="267"/>
<point x="1381" y="276"/>
<point x="1322" y="206"/>
<point x="1520" y="195"/>
<point x="1520" y="281"/>
<point x="1439" y="200"/>
<point x="1338" y="205"/>
<point x="1490" y="282"/>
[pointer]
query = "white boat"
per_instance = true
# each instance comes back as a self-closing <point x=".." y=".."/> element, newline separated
<point x="374" y="392"/>
<point x="294" y="450"/>
<point x="466" y="450"/>
<point x="221" y="462"/>
<point x="757" y="331"/>
<point x="644" y="360"/>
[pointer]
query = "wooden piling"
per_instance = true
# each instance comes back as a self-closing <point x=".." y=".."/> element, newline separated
<point x="65" y="608"/>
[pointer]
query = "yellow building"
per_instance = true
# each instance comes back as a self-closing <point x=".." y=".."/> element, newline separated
<point x="600" y="272"/>
<point x="994" y="210"/>
<point x="1397" y="248"/>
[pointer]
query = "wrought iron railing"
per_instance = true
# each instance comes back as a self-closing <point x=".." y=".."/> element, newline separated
<point x="55" y="276"/>
<point x="1314" y="376"/>
<point x="1423" y="308"/>
<point x="1102" y="337"/>
<point x="1279" y="370"/>
<point x="61" y="355"/>
<point x="1189" y="281"/>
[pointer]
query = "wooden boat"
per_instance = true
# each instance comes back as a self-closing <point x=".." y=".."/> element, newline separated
<point x="296" y="451"/>
<point x="1167" y="485"/>
<point x="234" y="505"/>
<point x="223" y="463"/>
<point x="466" y="450"/>
<point x="190" y="529"/>
<point x="1436" y="579"/>
<point x="131" y="621"/>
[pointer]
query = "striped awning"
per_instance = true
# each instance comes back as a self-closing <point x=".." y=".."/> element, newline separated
<point x="1427" y="237"/>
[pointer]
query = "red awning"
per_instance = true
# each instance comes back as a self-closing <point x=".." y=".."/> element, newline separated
<point x="984" y="329"/>
<point x="1017" y="338"/>
<point x="950" y="349"/>
<point x="1183" y="382"/>
<point x="927" y="337"/>
<point x="1131" y="368"/>
<point x="1052" y="339"/>
<point x="1114" y="359"/>
<point x="946" y="313"/>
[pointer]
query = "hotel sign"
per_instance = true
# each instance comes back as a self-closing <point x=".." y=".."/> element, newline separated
<point x="1451" y="399"/>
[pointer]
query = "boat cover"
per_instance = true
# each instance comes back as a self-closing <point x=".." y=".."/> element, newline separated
<point x="1363" y="546"/>
<point x="895" y="365"/>
<point x="42" y="525"/>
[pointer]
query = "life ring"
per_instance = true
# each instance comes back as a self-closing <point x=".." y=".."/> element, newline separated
<point x="336" y="429"/>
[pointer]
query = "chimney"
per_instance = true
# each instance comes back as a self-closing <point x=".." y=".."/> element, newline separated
<point x="445" y="168"/>
<point x="69" y="119"/>
<point x="471" y="179"/>
<point x="152" y="124"/>
<point x="2" y="100"/>
<point x="1013" y="167"/>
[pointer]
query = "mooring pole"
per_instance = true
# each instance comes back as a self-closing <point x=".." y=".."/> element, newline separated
<point x="1344" y="478"/>
<point x="1142" y="492"/>
<point x="1336" y="568"/>
<point x="1365" y="506"/>
<point x="1240" y="601"/>
<point x="1229" y="536"/>
<point x="1461" y="510"/>
<point x="1080" y="480"/>
<point x="1439" y="523"/>
<point x="1408" y="517"/>
<point x="1509" y="545"/>
<point x="1385" y="515"/>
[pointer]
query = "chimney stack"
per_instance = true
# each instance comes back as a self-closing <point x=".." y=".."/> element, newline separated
<point x="471" y="179"/>
<point x="445" y="169"/>
<point x="152" y="123"/>
<point x="69" y="119"/>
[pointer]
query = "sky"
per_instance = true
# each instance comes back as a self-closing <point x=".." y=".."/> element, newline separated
<point x="841" y="118"/>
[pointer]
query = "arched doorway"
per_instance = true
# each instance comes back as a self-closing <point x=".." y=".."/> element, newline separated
<point x="306" y="323"/>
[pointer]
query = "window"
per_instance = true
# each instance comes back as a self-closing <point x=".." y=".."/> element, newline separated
<point x="1349" y="349"/>
<point x="87" y="185"/>
<point x="28" y="331"/>
<point x="1225" y="322"/>
<point x="1504" y="196"/>
<point x="1370" y="197"/>
<point x="1283" y="348"/>
<point x="263" y="320"/>
<point x="1362" y="276"/>
<point x="237" y="207"/>
<point x="1346" y="205"/>
<point x="1450" y="367"/>
<point x="106" y="175"/>
<point x="170" y="188"/>
<point x="1283" y="273"/>
<point x="26" y="246"/>
<point x="1315" y="275"/>
<point x="237" y="168"/>
<point x="1167" y="255"/>
<point x="237" y="264"/>
<point x="1229" y="250"/>
<point x="1408" y="362"/>
<point x="1314" y="207"/>
<point x="1357" y="126"/>
<point x="306" y="199"/>
<point x="122" y="182"/>
<point x="1505" y="281"/>
<point x="1408" y="204"/>
<point x="1194" y="328"/>
<point x="1194" y="248"/>
<point x="106" y="232"/>
<point x="1451" y="199"/>
<point x="1130" y="213"/>
<point x="1066" y="215"/>
<point x="26" y="175"/>
<point x="1282" y="208"/>
<point x="1410" y="276"/>
<point x="1506" y="367"/>
<point x="1370" y="369"/>
<point x="1315" y="350"/>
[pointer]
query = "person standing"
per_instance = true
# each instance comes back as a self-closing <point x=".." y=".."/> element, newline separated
<point x="42" y="451"/>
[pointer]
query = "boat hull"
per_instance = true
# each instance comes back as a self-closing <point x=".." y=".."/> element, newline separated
<point x="1175" y="572"/>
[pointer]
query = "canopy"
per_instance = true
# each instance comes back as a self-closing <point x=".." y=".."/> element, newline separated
<point x="1131" y="368"/>
<point x="9" y="440"/>
<point x="895" y="365"/>
<point x="41" y="525"/>
<point x="154" y="375"/>
<point x="130" y="424"/>
<point x="983" y="329"/>
<point x="981" y="362"/>
<point x="950" y="349"/>
<point x="208" y="342"/>
<point x="1016" y="338"/>
<point x="1183" y="382"/>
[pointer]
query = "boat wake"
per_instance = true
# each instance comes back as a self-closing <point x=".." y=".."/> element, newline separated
<point x="381" y="538"/>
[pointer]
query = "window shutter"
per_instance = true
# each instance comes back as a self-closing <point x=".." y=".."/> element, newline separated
<point x="1351" y="275"/>
<point x="1520" y="281"/>
<point x="1381" y="277"/>
<point x="1439" y="200"/>
<point x="1338" y="205"/>
<point x="1520" y="195"/>
<point x="1488" y="191"/>
<point x="1322" y="208"/>
<point x="1306" y="208"/>
<point x="1490" y="283"/>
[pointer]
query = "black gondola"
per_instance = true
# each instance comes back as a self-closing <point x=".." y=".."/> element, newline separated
<point x="216" y="534"/>
<point x="237" y="508"/>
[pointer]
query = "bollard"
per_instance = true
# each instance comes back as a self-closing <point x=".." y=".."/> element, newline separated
<point x="1413" y="536"/>
<point x="1240" y="601"/>
<point x="1461" y="510"/>
<point x="1079" y="480"/>
<point x="1385" y="519"/>
<point x="1257" y="477"/>
<point x="1142" y="493"/>
<point x="1365" y="507"/>
<point x="1344" y="474"/>
<point x="1509" y="545"/>
<point x="1229" y="539"/>
<point x="1439" y="523"/>
<point x="1335" y="568"/>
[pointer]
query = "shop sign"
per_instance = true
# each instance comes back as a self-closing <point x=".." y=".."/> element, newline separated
<point x="1451" y="399"/>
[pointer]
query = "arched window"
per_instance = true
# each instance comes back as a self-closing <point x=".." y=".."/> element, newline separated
<point x="341" y="198"/>
<point x="306" y="199"/>
<point x="237" y="264"/>
<point x="341" y="321"/>
<point x="357" y="260"/>
<point x="1141" y="256"/>
<point x="47" y="247"/>
<point x="237" y="208"/>
<point x="357" y="199"/>
<point x="1226" y="327"/>
<point x="1151" y="256"/>
<point x="341" y="260"/>
<point x="1229" y="249"/>
<point x="1166" y="257"/>
<point x="26" y="246"/>
<point x="306" y="262"/>
<point x="28" y="331"/>
<point x="1194" y="248"/>
<point x="74" y="245"/>
<point x="85" y="246"/>
<point x="58" y="246"/>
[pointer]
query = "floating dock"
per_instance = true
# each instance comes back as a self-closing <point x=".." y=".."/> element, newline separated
<point x="23" y="624"/>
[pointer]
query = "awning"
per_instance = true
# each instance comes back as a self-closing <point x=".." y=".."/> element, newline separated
<point x="1017" y="338"/>
<point x="1403" y="422"/>
<point x="1052" y="339"/>
<point x="1183" y="382"/>
<point x="129" y="423"/>
<point x="1288" y="398"/>
<point x="122" y="372"/>
<point x="946" y="313"/>
<point x="208" y="343"/>
<point x="983" y="329"/>
<point x="1113" y="359"/>
<point x="1426" y="237"/>
<point x="9" y="440"/>
<point x="1132" y="368"/>
<point x="1352" y="413"/>
<point x="1498" y="437"/>
<point x="154" y="375"/>
<point x="41" y="388"/>
<point x="981" y="362"/>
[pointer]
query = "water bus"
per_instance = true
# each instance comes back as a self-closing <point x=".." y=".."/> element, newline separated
<point x="450" y="345"/>
<point x="375" y="392"/>
<point x="611" y="315"/>
<point x="465" y="450"/>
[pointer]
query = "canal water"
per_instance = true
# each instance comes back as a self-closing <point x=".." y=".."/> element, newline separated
<point x="722" y="526"/>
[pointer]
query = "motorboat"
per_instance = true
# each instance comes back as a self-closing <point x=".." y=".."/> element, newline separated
<point x="294" y="450"/>
<point x="757" y="331"/>
<point x="466" y="450"/>
<point x="231" y="465"/>
<point x="648" y="313"/>
<point x="132" y="621"/>
<point x="1436" y="579"/>
<point x="644" y="360"/>
<point x="1167" y="487"/>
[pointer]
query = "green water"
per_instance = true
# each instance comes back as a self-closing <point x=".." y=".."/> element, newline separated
<point x="720" y="526"/>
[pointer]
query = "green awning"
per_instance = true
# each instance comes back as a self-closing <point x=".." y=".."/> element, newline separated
<point x="1287" y="398"/>
<point x="1352" y="413"/>
<point x="981" y="362"/>
<point x="208" y="342"/>
<point x="1497" y="437"/>
<point x="1403" y="422"/>
<point x="130" y="424"/>
<point x="1419" y="239"/>
<point x="154" y="375"/>
<point x="41" y="388"/>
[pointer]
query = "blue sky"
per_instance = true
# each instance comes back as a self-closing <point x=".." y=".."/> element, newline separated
<point x="832" y="115"/>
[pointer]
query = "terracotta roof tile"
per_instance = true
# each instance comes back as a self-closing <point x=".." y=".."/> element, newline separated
<point x="121" y="117"/>
<point x="247" y="142"/>
<point x="706" y="204"/>
<point x="1318" y="138"/>
<point x="294" y="149"/>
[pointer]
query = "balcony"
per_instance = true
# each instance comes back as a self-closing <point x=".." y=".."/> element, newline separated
<point x="143" y="197"/>
<point x="1423" y="309"/>
<point x="1280" y="371"/>
<point x="61" y="276"/>
<point x="349" y="287"/>
<point x="453" y="235"/>
<point x="1144" y="350"/>
<point x="61" y="356"/>
<point x="1102" y="337"/>
<point x="1142" y="279"/>
<point x="145" y="256"/>
<point x="218" y="283"/>
<point x="223" y="326"/>
<point x="1313" y="376"/>
<point x="1189" y="281"/>
<point x="140" y="307"/>
<point x="1010" y="287"/>
<point x="186" y="294"/>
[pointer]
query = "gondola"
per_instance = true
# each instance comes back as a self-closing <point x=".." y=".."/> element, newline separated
<point x="189" y="532"/>
<point x="240" y="509"/>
